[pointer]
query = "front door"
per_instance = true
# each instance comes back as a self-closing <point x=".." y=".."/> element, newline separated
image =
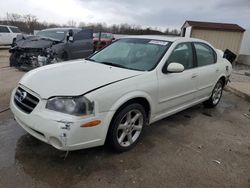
<point x="5" y="35"/>
<point x="82" y="45"/>
<point x="176" y="90"/>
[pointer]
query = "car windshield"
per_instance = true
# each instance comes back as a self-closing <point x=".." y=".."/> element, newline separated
<point x="53" y="34"/>
<point x="15" y="30"/>
<point x="131" y="53"/>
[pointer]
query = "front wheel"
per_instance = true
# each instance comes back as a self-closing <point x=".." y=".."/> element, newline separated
<point x="127" y="127"/>
<point x="216" y="95"/>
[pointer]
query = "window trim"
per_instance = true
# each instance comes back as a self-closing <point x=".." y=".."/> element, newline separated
<point x="196" y="59"/>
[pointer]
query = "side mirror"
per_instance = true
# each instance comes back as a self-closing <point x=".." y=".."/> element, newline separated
<point x="71" y="39"/>
<point x="175" y="67"/>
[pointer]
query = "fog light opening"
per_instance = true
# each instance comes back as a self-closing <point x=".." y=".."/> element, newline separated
<point x="55" y="142"/>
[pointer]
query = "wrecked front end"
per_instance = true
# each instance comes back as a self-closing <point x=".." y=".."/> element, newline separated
<point x="32" y="52"/>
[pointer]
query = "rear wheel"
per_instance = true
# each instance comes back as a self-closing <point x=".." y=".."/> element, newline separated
<point x="127" y="127"/>
<point x="216" y="95"/>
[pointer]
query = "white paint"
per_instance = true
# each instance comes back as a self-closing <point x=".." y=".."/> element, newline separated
<point x="6" y="38"/>
<point x="167" y="93"/>
<point x="188" y="32"/>
<point x="245" y="44"/>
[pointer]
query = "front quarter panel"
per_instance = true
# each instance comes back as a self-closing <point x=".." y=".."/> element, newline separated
<point x="111" y="97"/>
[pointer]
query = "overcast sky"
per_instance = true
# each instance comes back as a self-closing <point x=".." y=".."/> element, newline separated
<point x="154" y="13"/>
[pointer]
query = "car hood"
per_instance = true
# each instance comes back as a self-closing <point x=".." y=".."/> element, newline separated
<point x="34" y="42"/>
<point x="73" y="78"/>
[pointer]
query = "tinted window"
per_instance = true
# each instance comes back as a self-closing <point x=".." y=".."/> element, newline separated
<point x="205" y="54"/>
<point x="4" y="29"/>
<point x="83" y="34"/>
<point x="182" y="54"/>
<point x="15" y="30"/>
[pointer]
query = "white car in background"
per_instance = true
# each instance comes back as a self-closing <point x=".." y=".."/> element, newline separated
<point x="116" y="92"/>
<point x="8" y="34"/>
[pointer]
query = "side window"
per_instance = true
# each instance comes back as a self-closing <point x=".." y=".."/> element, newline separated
<point x="83" y="34"/>
<point x="4" y="29"/>
<point x="183" y="54"/>
<point x="15" y="30"/>
<point x="205" y="54"/>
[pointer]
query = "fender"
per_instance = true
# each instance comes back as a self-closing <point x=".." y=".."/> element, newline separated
<point x="132" y="95"/>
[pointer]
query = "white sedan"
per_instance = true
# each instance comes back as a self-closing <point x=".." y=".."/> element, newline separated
<point x="112" y="95"/>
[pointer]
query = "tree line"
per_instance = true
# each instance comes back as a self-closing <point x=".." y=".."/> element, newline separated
<point x="28" y="23"/>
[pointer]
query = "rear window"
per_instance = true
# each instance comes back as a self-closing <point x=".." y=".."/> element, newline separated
<point x="4" y="29"/>
<point x="205" y="54"/>
<point x="15" y="30"/>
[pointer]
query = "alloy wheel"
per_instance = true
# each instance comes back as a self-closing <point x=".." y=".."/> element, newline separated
<point x="217" y="93"/>
<point x="129" y="128"/>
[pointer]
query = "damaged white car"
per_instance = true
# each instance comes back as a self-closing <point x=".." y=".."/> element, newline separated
<point x="112" y="95"/>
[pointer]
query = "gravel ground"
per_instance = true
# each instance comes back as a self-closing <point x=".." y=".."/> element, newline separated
<point x="9" y="78"/>
<point x="195" y="148"/>
<point x="239" y="74"/>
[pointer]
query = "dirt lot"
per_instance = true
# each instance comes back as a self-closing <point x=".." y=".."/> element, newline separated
<point x="195" y="148"/>
<point x="8" y="79"/>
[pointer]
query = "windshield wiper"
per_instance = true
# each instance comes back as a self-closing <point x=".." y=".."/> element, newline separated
<point x="115" y="65"/>
<point x="89" y="59"/>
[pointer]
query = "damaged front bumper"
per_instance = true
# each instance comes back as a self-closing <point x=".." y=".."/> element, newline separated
<point x="62" y="131"/>
<point x="32" y="58"/>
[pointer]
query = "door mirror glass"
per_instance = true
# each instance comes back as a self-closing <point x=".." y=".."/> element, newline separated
<point x="175" y="67"/>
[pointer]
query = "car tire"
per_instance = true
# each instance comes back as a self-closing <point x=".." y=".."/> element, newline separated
<point x="216" y="95"/>
<point x="127" y="127"/>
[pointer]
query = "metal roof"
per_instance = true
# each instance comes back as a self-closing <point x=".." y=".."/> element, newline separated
<point x="214" y="26"/>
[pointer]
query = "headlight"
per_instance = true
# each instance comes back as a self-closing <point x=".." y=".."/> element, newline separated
<point x="78" y="106"/>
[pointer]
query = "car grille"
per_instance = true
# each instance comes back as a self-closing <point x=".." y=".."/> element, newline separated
<point x="25" y="101"/>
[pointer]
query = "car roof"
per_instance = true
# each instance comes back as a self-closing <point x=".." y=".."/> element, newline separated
<point x="62" y="28"/>
<point x="165" y="38"/>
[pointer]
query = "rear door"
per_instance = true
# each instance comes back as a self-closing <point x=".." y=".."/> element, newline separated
<point x="176" y="90"/>
<point x="82" y="45"/>
<point x="207" y="69"/>
<point x="5" y="35"/>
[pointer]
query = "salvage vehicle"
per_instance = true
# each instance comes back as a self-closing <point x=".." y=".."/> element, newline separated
<point x="101" y="41"/>
<point x="50" y="46"/>
<point x="8" y="34"/>
<point x="113" y="94"/>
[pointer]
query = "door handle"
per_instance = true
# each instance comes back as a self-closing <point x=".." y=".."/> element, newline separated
<point x="217" y="70"/>
<point x="194" y="76"/>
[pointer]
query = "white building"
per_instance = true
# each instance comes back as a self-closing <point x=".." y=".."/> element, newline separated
<point x="244" y="56"/>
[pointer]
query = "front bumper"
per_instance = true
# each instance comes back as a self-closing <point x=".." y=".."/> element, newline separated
<point x="62" y="131"/>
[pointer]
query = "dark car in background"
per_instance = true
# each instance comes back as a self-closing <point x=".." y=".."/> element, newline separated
<point x="51" y="46"/>
<point x="102" y="39"/>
